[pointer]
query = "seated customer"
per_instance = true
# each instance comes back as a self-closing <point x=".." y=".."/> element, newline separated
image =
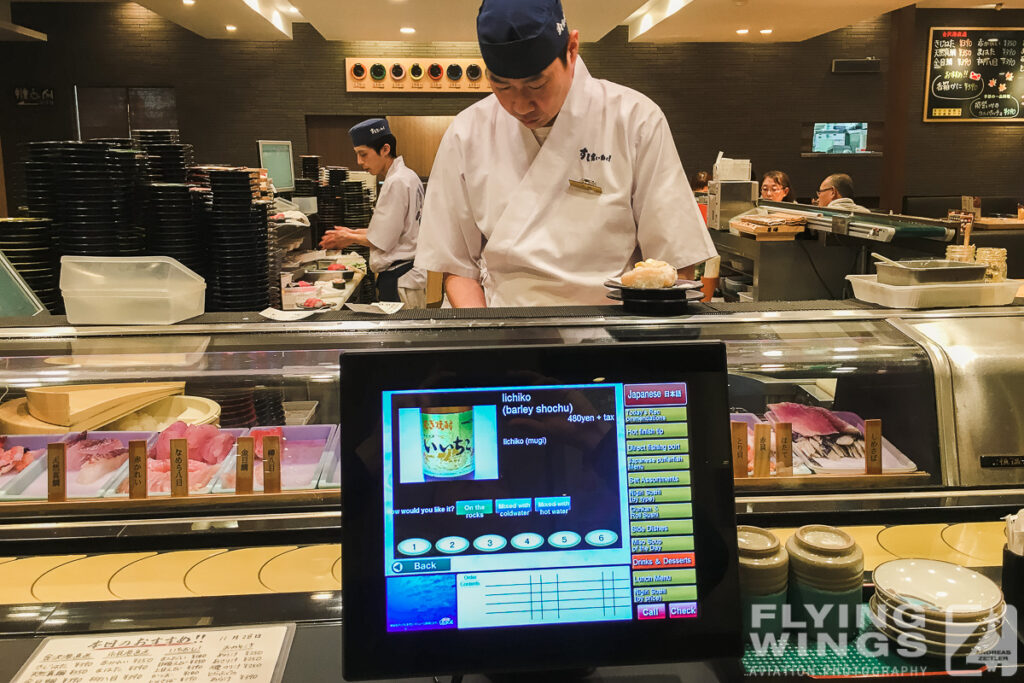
<point x="836" y="192"/>
<point x="699" y="181"/>
<point x="775" y="187"/>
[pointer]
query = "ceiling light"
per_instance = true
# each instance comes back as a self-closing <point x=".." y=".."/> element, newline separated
<point x="293" y="10"/>
<point x="231" y="27"/>
<point x="765" y="31"/>
<point x="407" y="29"/>
<point x="188" y="2"/>
<point x="743" y="31"/>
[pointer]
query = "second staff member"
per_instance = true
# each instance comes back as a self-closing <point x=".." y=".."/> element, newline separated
<point x="394" y="228"/>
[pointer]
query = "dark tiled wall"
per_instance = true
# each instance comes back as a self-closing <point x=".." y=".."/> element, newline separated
<point x="746" y="100"/>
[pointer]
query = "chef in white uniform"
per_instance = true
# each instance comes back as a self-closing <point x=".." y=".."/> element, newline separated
<point x="502" y="219"/>
<point x="395" y="224"/>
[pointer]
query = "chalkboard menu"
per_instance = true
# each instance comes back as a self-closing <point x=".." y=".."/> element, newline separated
<point x="975" y="75"/>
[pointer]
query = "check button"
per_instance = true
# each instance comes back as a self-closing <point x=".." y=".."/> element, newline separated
<point x="440" y="564"/>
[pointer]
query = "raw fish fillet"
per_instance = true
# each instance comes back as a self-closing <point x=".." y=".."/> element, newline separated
<point x="16" y="459"/>
<point x="158" y="475"/>
<point x="206" y="443"/>
<point x="811" y="420"/>
<point x="94" y="458"/>
<point x="162" y="449"/>
<point x="258" y="434"/>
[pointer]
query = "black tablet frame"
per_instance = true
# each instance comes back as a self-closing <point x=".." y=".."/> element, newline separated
<point x="371" y="652"/>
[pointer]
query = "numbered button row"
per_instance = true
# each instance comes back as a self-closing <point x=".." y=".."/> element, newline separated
<point x="489" y="543"/>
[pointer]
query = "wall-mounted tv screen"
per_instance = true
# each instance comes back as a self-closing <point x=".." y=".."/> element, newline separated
<point x="840" y="138"/>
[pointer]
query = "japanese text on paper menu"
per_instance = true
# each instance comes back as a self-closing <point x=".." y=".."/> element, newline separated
<point x="519" y="506"/>
<point x="233" y="655"/>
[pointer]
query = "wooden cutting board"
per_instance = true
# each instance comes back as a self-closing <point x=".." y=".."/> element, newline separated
<point x="765" y="233"/>
<point x="79" y="404"/>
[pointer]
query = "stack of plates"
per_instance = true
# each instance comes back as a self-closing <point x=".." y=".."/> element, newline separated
<point x="335" y="175"/>
<point x="157" y="136"/>
<point x="237" y="407"/>
<point x="946" y="608"/>
<point x="673" y="300"/>
<point x="126" y="170"/>
<point x="28" y="245"/>
<point x="115" y="143"/>
<point x="310" y="167"/>
<point x="167" y="162"/>
<point x="262" y="211"/>
<point x="357" y="204"/>
<point x="269" y="406"/>
<point x="41" y="179"/>
<point x="85" y="191"/>
<point x="237" y="243"/>
<point x="171" y="228"/>
<point x="304" y="187"/>
<point x="330" y="210"/>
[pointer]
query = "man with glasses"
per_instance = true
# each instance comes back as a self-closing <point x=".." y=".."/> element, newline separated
<point x="836" y="192"/>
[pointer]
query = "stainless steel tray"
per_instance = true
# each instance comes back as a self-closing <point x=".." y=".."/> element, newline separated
<point x="930" y="272"/>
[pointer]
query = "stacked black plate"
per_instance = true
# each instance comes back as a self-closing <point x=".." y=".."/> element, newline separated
<point x="262" y="211"/>
<point x="126" y="170"/>
<point x="269" y="406"/>
<point x="237" y="243"/>
<point x="168" y="162"/>
<point x="85" y="191"/>
<point x="310" y="167"/>
<point x="237" y="408"/>
<point x="304" y="187"/>
<point x="335" y="175"/>
<point x="357" y="204"/>
<point x="115" y="143"/>
<point x="156" y="136"/>
<point x="330" y="210"/>
<point x="28" y="245"/>
<point x="42" y="160"/>
<point x="171" y="228"/>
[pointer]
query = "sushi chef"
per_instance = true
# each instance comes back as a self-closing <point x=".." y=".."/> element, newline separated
<point x="557" y="181"/>
<point x="395" y="224"/>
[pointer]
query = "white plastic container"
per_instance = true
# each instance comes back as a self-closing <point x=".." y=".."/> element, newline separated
<point x="129" y="290"/>
<point x="957" y="295"/>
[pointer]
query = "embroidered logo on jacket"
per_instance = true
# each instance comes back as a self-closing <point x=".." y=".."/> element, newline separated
<point x="587" y="155"/>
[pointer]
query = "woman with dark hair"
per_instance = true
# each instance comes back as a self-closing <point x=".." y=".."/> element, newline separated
<point x="699" y="181"/>
<point x="775" y="187"/>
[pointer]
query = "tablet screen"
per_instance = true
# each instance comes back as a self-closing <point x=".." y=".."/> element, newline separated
<point x="536" y="507"/>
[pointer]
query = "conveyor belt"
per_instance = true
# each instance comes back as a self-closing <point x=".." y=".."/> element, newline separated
<point x="291" y="569"/>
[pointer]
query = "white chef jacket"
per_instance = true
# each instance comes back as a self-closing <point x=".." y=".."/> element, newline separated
<point x="395" y="224"/>
<point x="499" y="207"/>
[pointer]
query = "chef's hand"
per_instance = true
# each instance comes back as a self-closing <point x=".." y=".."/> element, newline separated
<point x="338" y="238"/>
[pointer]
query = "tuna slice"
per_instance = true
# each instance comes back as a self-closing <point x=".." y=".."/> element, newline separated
<point x="811" y="420"/>
<point x="258" y="434"/>
<point x="218" y="448"/>
<point x="162" y="449"/>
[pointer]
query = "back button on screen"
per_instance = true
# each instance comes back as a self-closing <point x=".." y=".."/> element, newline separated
<point x="441" y="564"/>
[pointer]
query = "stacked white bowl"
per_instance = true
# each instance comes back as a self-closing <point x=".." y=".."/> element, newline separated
<point x="948" y="609"/>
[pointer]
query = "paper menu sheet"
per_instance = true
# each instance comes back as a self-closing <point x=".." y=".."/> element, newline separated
<point x="251" y="654"/>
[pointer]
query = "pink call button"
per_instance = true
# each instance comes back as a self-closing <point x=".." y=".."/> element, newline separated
<point x="651" y="611"/>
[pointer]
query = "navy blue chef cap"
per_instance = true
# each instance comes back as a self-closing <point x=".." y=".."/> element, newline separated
<point x="520" y="38"/>
<point x="369" y="130"/>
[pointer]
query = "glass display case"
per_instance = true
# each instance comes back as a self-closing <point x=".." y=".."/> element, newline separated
<point x="825" y="371"/>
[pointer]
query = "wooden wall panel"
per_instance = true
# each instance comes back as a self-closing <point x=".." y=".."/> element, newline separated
<point x="418" y="139"/>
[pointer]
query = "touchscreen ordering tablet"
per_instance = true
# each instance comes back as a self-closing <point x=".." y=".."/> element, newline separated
<point x="536" y="508"/>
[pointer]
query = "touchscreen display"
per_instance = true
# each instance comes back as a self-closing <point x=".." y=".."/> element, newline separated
<point x="530" y="505"/>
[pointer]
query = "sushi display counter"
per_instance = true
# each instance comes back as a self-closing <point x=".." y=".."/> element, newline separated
<point x="945" y="385"/>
